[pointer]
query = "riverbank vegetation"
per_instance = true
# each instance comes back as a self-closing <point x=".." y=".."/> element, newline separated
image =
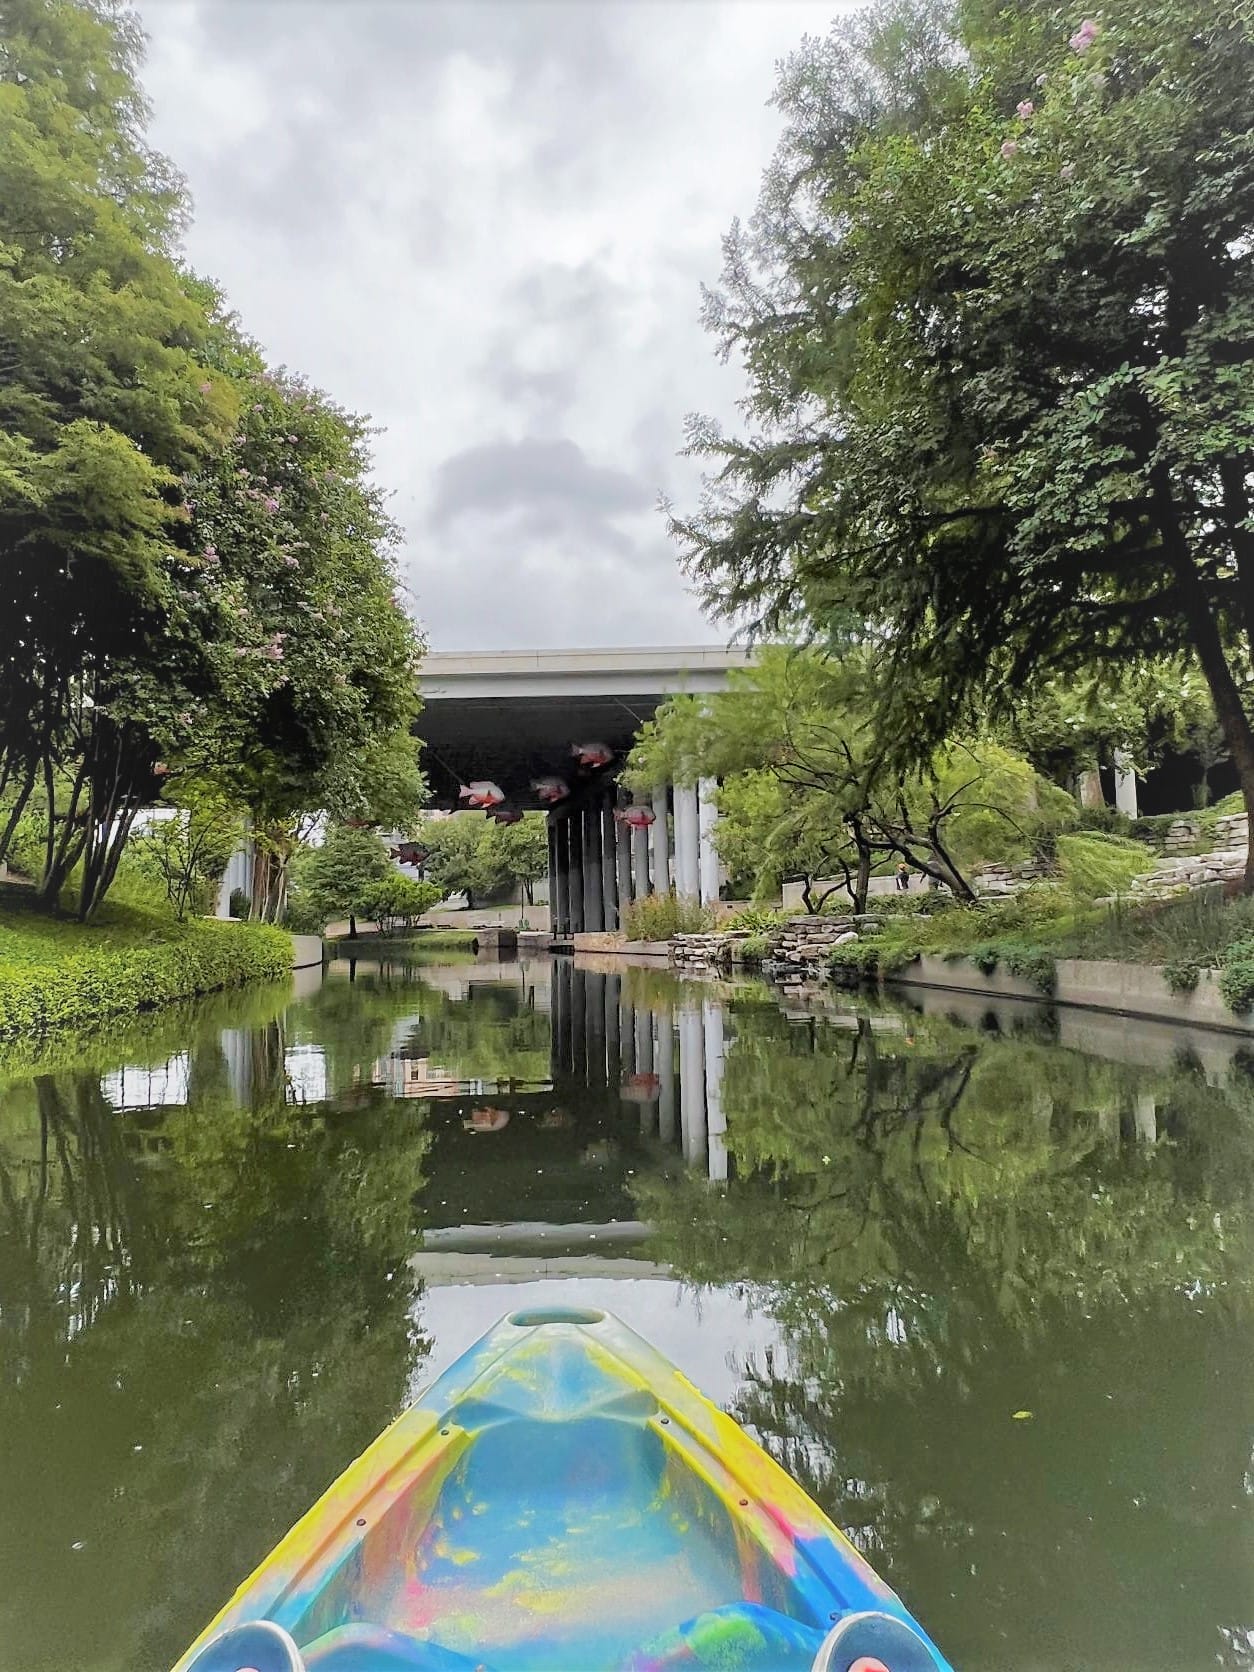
<point x="58" y="974"/>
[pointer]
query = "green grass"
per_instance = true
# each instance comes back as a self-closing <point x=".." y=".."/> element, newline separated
<point x="424" y="940"/>
<point x="58" y="974"/>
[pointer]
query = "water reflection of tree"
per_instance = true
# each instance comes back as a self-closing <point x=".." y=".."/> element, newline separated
<point x="950" y="1229"/>
<point x="205" y="1315"/>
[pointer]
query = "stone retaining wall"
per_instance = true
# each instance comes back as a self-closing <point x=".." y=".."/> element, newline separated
<point x="1229" y="832"/>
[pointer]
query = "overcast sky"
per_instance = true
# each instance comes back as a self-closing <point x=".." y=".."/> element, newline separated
<point x="485" y="225"/>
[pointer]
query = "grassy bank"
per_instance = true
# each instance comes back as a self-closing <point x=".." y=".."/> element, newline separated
<point x="58" y="974"/>
<point x="1025" y="935"/>
<point x="420" y="940"/>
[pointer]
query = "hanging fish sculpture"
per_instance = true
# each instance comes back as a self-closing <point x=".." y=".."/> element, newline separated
<point x="591" y="755"/>
<point x="636" y="818"/>
<point x="503" y="815"/>
<point x="550" y="790"/>
<point x="408" y="853"/>
<point x="486" y="1120"/>
<point x="481" y="792"/>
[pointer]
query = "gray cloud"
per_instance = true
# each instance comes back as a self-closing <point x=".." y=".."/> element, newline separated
<point x="484" y="222"/>
<point x="502" y="475"/>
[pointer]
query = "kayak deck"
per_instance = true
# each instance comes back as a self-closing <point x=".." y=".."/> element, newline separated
<point x="561" y="1500"/>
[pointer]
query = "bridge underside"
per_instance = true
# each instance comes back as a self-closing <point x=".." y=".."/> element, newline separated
<point x="515" y="740"/>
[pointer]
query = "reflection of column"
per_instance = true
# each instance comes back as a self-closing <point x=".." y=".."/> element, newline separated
<point x="609" y="878"/>
<point x="640" y="862"/>
<point x="578" y="1023"/>
<point x="644" y="1060"/>
<point x="716" y="1121"/>
<point x="627" y="1035"/>
<point x="622" y="873"/>
<point x="666" y="1075"/>
<point x="612" y="985"/>
<point x="594" y="1023"/>
<point x="1125" y="784"/>
<point x="593" y="909"/>
<point x="1146" y="1117"/>
<point x="660" y="831"/>
<point x="687" y="842"/>
<point x="691" y="1083"/>
<point x="573" y="838"/>
<point x="707" y="818"/>
<point x="238" y="1054"/>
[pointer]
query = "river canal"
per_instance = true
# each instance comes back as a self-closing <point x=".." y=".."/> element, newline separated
<point x="981" y="1280"/>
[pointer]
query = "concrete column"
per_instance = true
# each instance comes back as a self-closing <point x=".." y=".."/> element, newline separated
<point x="660" y="834"/>
<point x="687" y="843"/>
<point x="622" y="870"/>
<point x="551" y="832"/>
<point x="707" y="818"/>
<point x="579" y="1024"/>
<point x="639" y="862"/>
<point x="593" y="904"/>
<point x="692" y="1083"/>
<point x="665" y="1068"/>
<point x="609" y="879"/>
<point x="573" y="839"/>
<point x="1125" y="784"/>
<point x="716" y="1121"/>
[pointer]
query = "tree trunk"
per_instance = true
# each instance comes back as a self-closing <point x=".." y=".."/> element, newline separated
<point x="1091" y="793"/>
<point x="1225" y="693"/>
<point x="352" y="925"/>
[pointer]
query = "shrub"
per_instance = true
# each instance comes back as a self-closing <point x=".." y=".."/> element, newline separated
<point x="1108" y="820"/>
<point x="985" y="958"/>
<point x="758" y="919"/>
<point x="1236" y="980"/>
<point x="397" y="902"/>
<point x="1181" y="974"/>
<point x="1092" y="864"/>
<point x="1033" y="965"/>
<point x="241" y="906"/>
<point x="659" y="916"/>
<point x="755" y="949"/>
<point x="56" y="975"/>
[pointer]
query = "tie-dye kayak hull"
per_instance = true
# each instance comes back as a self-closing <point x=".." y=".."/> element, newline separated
<point x="563" y="1500"/>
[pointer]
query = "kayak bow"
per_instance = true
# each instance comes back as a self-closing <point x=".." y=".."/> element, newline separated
<point x="562" y="1499"/>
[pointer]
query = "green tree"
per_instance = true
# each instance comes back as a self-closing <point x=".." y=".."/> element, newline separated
<point x="190" y="849"/>
<point x="397" y="902"/>
<point x="842" y="803"/>
<point x="523" y="852"/>
<point x="996" y="312"/>
<point x="463" y="856"/>
<point x="338" y="877"/>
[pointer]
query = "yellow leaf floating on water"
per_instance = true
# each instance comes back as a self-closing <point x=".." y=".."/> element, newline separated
<point x="1023" y="1416"/>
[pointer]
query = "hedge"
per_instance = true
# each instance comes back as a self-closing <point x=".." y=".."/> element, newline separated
<point x="52" y="978"/>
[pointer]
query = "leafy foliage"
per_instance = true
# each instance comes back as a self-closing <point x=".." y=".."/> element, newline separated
<point x="336" y="878"/>
<point x="995" y="308"/>
<point x="397" y="902"/>
<point x="656" y="917"/>
<point x="1093" y="865"/>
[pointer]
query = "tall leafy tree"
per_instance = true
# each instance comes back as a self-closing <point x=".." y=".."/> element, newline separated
<point x="105" y="401"/>
<point x="997" y="312"/>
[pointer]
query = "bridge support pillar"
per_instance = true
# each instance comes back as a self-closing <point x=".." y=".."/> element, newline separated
<point x="639" y="862"/>
<point x="572" y="836"/>
<point x="622" y="872"/>
<point x="707" y="818"/>
<point x="593" y="904"/>
<point x="609" y="875"/>
<point x="687" y="843"/>
<point x="661" y="836"/>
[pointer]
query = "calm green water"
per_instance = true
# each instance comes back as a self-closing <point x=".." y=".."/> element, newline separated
<point x="232" y="1247"/>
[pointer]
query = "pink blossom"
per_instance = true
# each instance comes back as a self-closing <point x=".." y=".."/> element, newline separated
<point x="292" y="440"/>
<point x="1084" y="36"/>
<point x="211" y="554"/>
<point x="292" y="562"/>
<point x="206" y="388"/>
<point x="1024" y="109"/>
<point x="1010" y="148"/>
<point x="1067" y="171"/>
<point x="271" y="503"/>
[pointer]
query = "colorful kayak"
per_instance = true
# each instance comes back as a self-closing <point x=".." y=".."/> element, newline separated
<point x="563" y="1500"/>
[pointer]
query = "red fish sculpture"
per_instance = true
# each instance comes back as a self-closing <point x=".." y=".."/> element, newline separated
<point x="408" y="853"/>
<point x="481" y="792"/>
<point x="637" y="818"/>
<point x="550" y="790"/>
<point x="486" y="1120"/>
<point x="591" y="755"/>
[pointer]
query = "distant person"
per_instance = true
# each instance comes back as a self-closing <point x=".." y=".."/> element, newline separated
<point x="903" y="877"/>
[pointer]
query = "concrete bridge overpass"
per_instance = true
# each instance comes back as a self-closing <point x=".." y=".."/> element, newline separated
<point x="513" y="716"/>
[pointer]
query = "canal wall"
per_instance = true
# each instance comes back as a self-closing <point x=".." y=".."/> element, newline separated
<point x="1087" y="984"/>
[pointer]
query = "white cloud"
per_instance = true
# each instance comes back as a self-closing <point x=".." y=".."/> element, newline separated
<point x="486" y="224"/>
